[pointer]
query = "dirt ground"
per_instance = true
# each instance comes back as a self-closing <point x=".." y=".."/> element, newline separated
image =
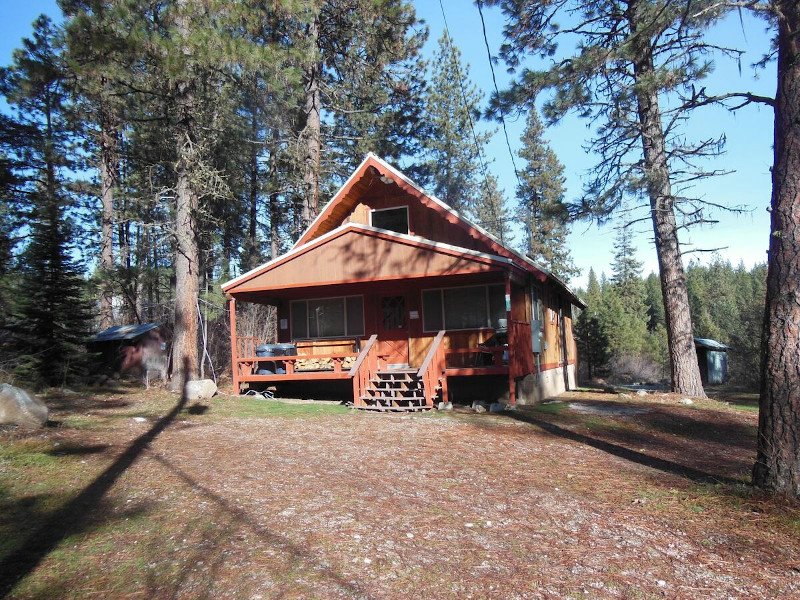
<point x="591" y="496"/>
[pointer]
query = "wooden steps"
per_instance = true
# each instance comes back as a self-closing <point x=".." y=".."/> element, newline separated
<point x="394" y="390"/>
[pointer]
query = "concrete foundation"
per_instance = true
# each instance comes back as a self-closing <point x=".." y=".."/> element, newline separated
<point x="534" y="388"/>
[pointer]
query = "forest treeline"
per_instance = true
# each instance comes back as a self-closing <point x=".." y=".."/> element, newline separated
<point x="153" y="151"/>
<point x="150" y="151"/>
<point x="622" y="337"/>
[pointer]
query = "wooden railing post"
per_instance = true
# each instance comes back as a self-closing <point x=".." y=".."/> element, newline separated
<point x="432" y="369"/>
<point x="363" y="368"/>
<point x="234" y="346"/>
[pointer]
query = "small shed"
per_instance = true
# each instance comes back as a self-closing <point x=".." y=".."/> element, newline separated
<point x="712" y="357"/>
<point x="132" y="349"/>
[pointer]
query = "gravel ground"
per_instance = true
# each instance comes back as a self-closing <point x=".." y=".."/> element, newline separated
<point x="628" y="499"/>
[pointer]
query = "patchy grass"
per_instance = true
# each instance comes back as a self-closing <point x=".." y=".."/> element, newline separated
<point x="597" y="496"/>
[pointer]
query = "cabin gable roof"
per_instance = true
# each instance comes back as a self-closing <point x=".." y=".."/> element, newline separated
<point x="435" y="231"/>
<point x="355" y="252"/>
<point x="374" y="178"/>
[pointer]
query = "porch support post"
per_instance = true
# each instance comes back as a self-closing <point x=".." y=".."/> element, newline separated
<point x="512" y="358"/>
<point x="234" y="345"/>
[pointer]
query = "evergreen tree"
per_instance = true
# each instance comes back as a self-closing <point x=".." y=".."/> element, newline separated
<point x="540" y="197"/>
<point x="654" y="302"/>
<point x="589" y="332"/>
<point x="777" y="465"/>
<point x="491" y="212"/>
<point x="453" y="163"/>
<point x="626" y="272"/>
<point x="52" y="319"/>
<point x="631" y="54"/>
<point x="362" y="90"/>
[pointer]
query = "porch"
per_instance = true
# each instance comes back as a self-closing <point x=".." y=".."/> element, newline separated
<point x="377" y="382"/>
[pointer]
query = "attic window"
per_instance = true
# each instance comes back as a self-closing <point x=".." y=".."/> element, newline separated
<point x="392" y="219"/>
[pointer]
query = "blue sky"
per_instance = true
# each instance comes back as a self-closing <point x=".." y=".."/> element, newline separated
<point x="748" y="132"/>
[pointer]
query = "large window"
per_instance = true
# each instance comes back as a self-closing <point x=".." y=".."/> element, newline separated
<point x="328" y="317"/>
<point x="473" y="307"/>
<point x="393" y="219"/>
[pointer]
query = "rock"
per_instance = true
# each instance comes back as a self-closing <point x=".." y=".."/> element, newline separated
<point x="687" y="401"/>
<point x="480" y="406"/>
<point x="497" y="407"/>
<point x="641" y="393"/>
<point x="20" y="408"/>
<point x="445" y="406"/>
<point x="626" y="396"/>
<point x="200" y="389"/>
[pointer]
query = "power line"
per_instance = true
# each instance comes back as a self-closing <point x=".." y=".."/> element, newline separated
<point x="469" y="117"/>
<point x="497" y="91"/>
<point x="464" y="95"/>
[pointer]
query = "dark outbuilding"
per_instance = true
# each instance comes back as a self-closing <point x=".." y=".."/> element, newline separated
<point x="712" y="357"/>
<point x="140" y="349"/>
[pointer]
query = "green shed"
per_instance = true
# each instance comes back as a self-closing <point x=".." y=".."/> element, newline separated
<point x="713" y="359"/>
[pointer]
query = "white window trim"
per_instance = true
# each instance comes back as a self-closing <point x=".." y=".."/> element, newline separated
<point x="328" y="337"/>
<point x="486" y="287"/>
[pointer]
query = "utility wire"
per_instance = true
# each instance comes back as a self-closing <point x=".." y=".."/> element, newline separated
<point x="469" y="117"/>
<point x="464" y="96"/>
<point x="497" y="91"/>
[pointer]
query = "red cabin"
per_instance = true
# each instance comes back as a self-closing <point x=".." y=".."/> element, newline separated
<point x="394" y="292"/>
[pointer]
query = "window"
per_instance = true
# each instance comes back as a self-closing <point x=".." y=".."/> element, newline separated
<point x="328" y="317"/>
<point x="463" y="308"/>
<point x="393" y="219"/>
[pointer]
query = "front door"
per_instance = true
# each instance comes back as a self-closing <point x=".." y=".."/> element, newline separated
<point x="393" y="330"/>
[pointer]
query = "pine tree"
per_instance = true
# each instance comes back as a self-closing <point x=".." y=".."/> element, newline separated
<point x="362" y="90"/>
<point x="491" y="212"/>
<point x="453" y="164"/>
<point x="626" y="271"/>
<point x="631" y="55"/>
<point x="540" y="197"/>
<point x="52" y="319"/>
<point x="777" y="465"/>
<point x="589" y="333"/>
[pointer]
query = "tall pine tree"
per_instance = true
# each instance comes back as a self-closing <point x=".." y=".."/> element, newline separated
<point x="630" y="55"/>
<point x="540" y="198"/>
<point x="51" y="323"/>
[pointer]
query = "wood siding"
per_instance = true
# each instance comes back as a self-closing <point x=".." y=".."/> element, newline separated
<point x="360" y="256"/>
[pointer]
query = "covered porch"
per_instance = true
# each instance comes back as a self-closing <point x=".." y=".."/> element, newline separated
<point x="395" y="315"/>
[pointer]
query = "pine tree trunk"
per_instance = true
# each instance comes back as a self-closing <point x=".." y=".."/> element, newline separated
<point x="777" y="465"/>
<point x="108" y="171"/>
<point x="252" y="256"/>
<point x="187" y="275"/>
<point x="274" y="200"/>
<point x="680" y="340"/>
<point x="312" y="136"/>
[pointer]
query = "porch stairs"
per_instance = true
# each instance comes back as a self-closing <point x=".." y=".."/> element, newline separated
<point x="396" y="390"/>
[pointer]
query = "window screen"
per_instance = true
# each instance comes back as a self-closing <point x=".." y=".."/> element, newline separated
<point x="473" y="307"/>
<point x="328" y="317"/>
<point x="393" y="219"/>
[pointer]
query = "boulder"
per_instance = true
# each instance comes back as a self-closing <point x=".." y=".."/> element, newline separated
<point x="479" y="406"/>
<point x="200" y="389"/>
<point x="20" y="408"/>
<point x="445" y="406"/>
<point x="497" y="407"/>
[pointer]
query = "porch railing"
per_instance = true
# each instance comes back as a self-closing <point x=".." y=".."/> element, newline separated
<point x="363" y="369"/>
<point x="432" y="369"/>
<point x="246" y="346"/>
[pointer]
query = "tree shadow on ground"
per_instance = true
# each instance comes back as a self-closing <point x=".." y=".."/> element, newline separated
<point x="616" y="448"/>
<point x="234" y="517"/>
<point x="78" y="450"/>
<point x="76" y="515"/>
